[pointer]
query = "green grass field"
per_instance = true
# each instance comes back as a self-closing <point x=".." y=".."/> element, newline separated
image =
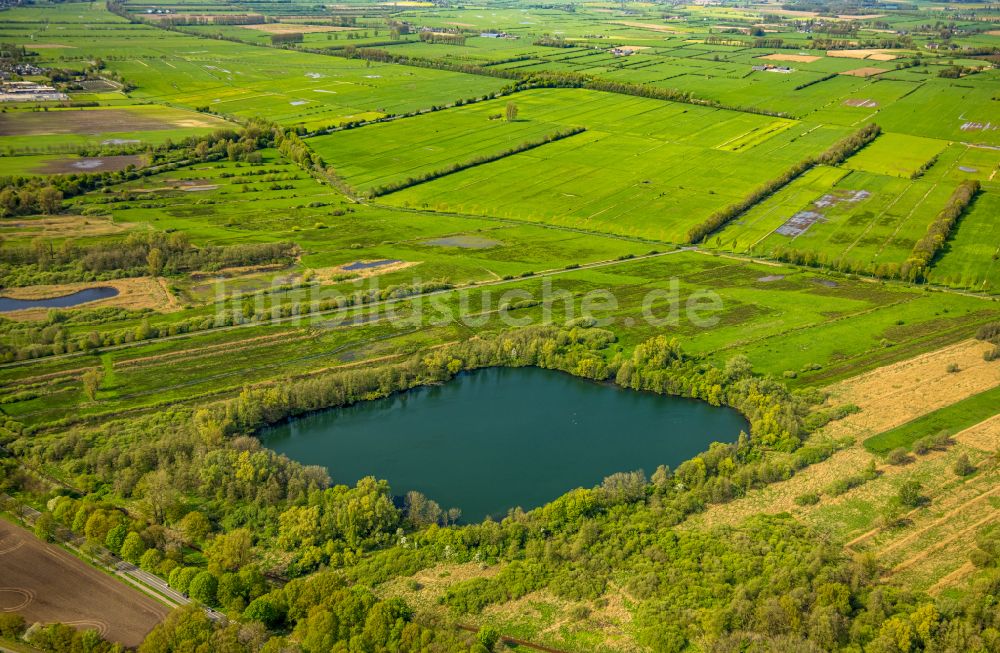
<point x="952" y="419"/>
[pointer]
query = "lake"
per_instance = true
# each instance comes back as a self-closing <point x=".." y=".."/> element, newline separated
<point x="497" y="438"/>
<point x="64" y="301"/>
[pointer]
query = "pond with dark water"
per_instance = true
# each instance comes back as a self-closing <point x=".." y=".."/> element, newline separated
<point x="497" y="438"/>
<point x="64" y="301"/>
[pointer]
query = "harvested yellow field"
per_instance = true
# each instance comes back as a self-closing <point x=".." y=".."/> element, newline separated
<point x="867" y="71"/>
<point x="887" y="397"/>
<point x="799" y="58"/>
<point x="984" y="436"/>
<point x="653" y="26"/>
<point x="861" y="53"/>
<point x="895" y="394"/>
<point x="291" y="28"/>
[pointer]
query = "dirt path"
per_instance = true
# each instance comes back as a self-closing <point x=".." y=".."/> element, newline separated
<point x="938" y="522"/>
<point x="967" y="531"/>
<point x="949" y="580"/>
<point x="199" y="352"/>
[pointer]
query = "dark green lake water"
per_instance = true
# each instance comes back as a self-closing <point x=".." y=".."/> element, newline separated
<point x="503" y="437"/>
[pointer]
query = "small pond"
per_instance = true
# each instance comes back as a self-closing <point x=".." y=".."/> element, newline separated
<point x="367" y="265"/>
<point x="497" y="438"/>
<point x="8" y="304"/>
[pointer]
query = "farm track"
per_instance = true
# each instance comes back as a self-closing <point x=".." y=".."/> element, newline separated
<point x="211" y="350"/>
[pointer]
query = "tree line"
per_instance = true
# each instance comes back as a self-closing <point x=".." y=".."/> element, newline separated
<point x="925" y="249"/>
<point x="835" y="154"/>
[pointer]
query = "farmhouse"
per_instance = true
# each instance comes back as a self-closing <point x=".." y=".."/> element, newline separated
<point x="28" y="92"/>
<point x="768" y="68"/>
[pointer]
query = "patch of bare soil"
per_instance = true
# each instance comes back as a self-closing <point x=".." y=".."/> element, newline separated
<point x="44" y="583"/>
<point x="62" y="226"/>
<point x="867" y="71"/>
<point x="237" y="271"/>
<point x="334" y="274"/>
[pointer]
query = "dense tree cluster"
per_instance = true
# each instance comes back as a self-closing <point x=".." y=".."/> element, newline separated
<point x="286" y="38"/>
<point x="443" y="38"/>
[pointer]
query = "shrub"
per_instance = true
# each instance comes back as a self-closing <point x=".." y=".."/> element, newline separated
<point x="962" y="466"/>
<point x="807" y="499"/>
<point x="898" y="456"/>
<point x="909" y="493"/>
<point x="12" y="625"/>
<point x="939" y="440"/>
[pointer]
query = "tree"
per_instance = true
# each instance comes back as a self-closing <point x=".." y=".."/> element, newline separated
<point x="8" y="202"/>
<point x="154" y="262"/>
<point x="132" y="548"/>
<point x="12" y="625"/>
<point x="150" y="559"/>
<point x="115" y="538"/>
<point x="230" y="551"/>
<point x="511" y="112"/>
<point x="262" y="609"/>
<point x="195" y="526"/>
<point x="50" y="200"/>
<point x="204" y="588"/>
<point x="185" y="629"/>
<point x="45" y="527"/>
<point x="92" y="382"/>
